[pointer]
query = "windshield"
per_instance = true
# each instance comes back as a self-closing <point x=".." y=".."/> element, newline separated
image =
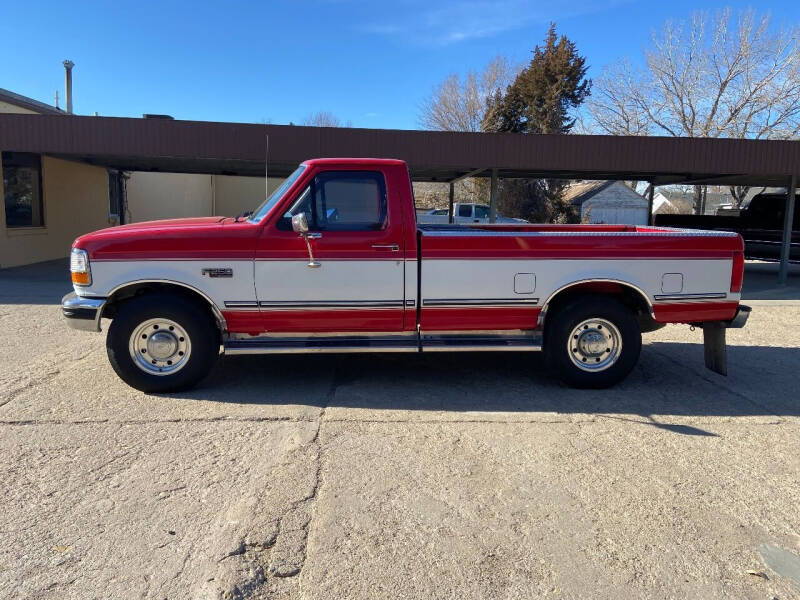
<point x="275" y="196"/>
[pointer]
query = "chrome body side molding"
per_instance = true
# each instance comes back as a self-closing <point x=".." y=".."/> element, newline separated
<point x="240" y="304"/>
<point x="311" y="304"/>
<point x="441" y="302"/>
<point x="708" y="296"/>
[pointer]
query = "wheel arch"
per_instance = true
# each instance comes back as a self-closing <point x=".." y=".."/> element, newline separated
<point x="132" y="289"/>
<point x="629" y="294"/>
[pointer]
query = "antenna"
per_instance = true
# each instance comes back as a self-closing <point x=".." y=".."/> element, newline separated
<point x="266" y="167"/>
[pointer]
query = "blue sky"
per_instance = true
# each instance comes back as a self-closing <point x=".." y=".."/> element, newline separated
<point x="370" y="63"/>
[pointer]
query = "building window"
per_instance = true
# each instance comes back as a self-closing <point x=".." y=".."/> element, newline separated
<point x="22" y="189"/>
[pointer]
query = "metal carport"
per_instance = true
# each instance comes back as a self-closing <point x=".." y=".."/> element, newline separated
<point x="240" y="149"/>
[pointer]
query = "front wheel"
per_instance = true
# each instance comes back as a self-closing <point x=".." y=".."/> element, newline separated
<point x="162" y="343"/>
<point x="592" y="342"/>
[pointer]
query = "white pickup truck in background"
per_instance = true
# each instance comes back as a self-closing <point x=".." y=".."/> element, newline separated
<point x="463" y="212"/>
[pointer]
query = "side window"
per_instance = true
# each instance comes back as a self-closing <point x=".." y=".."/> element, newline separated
<point x="465" y="210"/>
<point x="481" y="212"/>
<point x="342" y="201"/>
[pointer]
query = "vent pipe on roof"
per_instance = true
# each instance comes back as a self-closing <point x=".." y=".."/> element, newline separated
<point x="68" y="64"/>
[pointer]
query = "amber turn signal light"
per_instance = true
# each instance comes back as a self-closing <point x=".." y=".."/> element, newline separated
<point x="81" y="278"/>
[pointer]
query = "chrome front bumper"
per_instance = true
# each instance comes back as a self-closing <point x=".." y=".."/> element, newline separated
<point x="82" y="313"/>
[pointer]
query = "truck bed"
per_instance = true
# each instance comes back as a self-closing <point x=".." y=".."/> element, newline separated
<point x="503" y="276"/>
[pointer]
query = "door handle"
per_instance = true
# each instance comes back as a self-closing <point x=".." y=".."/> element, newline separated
<point x="314" y="235"/>
<point x="387" y="247"/>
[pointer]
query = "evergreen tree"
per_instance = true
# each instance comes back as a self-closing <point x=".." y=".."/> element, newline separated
<point x="543" y="94"/>
<point x="541" y="100"/>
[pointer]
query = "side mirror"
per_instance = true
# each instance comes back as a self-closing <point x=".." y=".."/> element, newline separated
<point x="300" y="223"/>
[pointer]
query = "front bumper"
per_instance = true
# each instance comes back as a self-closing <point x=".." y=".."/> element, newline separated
<point x="82" y="313"/>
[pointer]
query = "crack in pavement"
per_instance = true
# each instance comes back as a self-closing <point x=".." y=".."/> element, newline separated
<point x="23" y="384"/>
<point x="306" y="504"/>
<point x="45" y="371"/>
<point x="265" y="551"/>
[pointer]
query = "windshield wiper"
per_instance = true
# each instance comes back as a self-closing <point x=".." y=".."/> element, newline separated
<point x="242" y="215"/>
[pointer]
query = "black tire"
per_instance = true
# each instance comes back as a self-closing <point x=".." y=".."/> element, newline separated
<point x="563" y="327"/>
<point x="190" y="316"/>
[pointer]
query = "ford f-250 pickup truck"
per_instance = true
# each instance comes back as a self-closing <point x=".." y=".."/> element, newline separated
<point x="334" y="261"/>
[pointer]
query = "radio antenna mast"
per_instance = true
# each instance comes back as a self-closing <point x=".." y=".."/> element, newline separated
<point x="266" y="167"/>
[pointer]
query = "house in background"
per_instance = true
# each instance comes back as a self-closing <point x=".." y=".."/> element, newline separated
<point x="611" y="202"/>
<point x="662" y="205"/>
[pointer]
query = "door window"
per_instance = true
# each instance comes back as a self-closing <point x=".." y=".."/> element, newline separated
<point x="465" y="210"/>
<point x="481" y="212"/>
<point x="342" y="201"/>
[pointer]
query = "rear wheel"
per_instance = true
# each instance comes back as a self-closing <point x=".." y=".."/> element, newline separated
<point x="592" y="342"/>
<point x="162" y="343"/>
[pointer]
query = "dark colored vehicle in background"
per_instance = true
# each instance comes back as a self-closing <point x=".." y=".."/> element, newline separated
<point x="760" y="223"/>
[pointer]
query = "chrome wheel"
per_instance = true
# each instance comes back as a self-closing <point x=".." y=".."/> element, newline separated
<point x="594" y="345"/>
<point x="160" y="346"/>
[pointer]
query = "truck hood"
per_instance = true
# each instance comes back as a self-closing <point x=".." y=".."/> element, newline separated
<point x="170" y="239"/>
<point x="166" y="223"/>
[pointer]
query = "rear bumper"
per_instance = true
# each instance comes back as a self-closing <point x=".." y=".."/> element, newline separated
<point x="82" y="313"/>
<point x="738" y="321"/>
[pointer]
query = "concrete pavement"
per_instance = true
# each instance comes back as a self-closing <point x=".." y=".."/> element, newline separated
<point x="438" y="476"/>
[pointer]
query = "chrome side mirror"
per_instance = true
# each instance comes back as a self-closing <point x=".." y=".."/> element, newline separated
<point x="300" y="225"/>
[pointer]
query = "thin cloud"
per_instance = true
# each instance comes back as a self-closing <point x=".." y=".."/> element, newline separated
<point x="456" y="22"/>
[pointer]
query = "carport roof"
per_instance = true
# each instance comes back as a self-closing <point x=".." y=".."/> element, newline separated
<point x="239" y="149"/>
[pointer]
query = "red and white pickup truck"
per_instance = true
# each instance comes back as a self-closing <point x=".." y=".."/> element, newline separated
<point x="334" y="261"/>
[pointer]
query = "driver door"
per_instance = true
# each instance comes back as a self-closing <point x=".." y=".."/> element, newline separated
<point x="356" y="238"/>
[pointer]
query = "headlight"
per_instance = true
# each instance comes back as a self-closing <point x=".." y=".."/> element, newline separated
<point x="79" y="267"/>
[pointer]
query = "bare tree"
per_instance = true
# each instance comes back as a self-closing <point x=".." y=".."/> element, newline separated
<point x="459" y="105"/>
<point x="324" y="118"/>
<point x="722" y="76"/>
